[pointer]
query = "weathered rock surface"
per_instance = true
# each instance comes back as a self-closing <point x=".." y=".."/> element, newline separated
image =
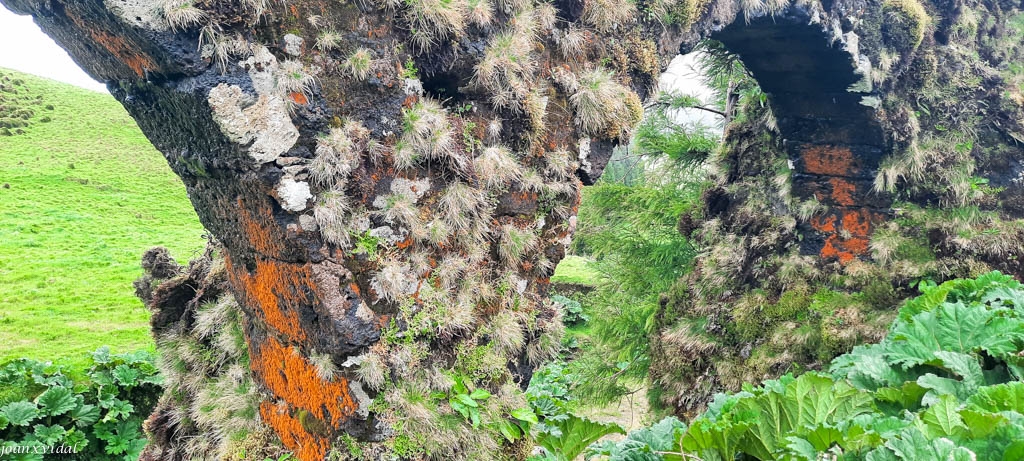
<point x="393" y="183"/>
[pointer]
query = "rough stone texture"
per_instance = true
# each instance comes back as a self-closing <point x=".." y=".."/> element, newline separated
<point x="417" y="281"/>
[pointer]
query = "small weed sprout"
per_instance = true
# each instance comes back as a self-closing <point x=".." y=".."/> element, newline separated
<point x="358" y="63"/>
<point x="506" y="71"/>
<point x="182" y="14"/>
<point x="810" y="208"/>
<point x="316" y="21"/>
<point x="208" y="319"/>
<point x="394" y="281"/>
<point x="400" y="210"/>
<point x="754" y="8"/>
<point x="427" y="131"/>
<point x="293" y="77"/>
<point x="419" y="261"/>
<point x="607" y="15"/>
<point x="434" y="232"/>
<point x="494" y="130"/>
<point x="546" y="346"/>
<point x="336" y="156"/>
<point x="216" y="46"/>
<point x="328" y="40"/>
<point x="258" y="7"/>
<point x="497" y="168"/>
<point x="450" y="270"/>
<point x="514" y="243"/>
<point x="604" y="107"/>
<point x="885" y="242"/>
<point x="403" y="155"/>
<point x="324" y="365"/>
<point x="330" y="213"/>
<point x="389" y="5"/>
<point x="372" y="371"/>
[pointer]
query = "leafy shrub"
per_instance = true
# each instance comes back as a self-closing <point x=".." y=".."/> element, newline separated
<point x="100" y="417"/>
<point x="572" y="310"/>
<point x="945" y="384"/>
<point x="562" y="434"/>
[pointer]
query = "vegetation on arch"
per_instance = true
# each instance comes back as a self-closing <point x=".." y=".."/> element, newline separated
<point x="947" y="383"/>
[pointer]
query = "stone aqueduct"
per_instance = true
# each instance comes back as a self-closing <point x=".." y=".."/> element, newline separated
<point x="244" y="142"/>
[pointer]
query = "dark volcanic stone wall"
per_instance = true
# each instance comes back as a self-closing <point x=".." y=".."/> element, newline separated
<point x="394" y="182"/>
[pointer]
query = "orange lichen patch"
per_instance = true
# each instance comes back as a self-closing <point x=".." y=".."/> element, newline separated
<point x="828" y="160"/>
<point x="299" y="98"/>
<point x="830" y="251"/>
<point x="404" y="244"/>
<point x="857" y="222"/>
<point x="306" y="446"/>
<point x="291" y="377"/>
<point x="276" y="292"/>
<point x="827" y="224"/>
<point x="845" y="250"/>
<point x="257" y="229"/>
<point x="855" y="245"/>
<point x="842" y="191"/>
<point x="128" y="53"/>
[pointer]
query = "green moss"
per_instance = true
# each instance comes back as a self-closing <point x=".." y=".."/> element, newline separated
<point x="880" y="294"/>
<point x="790" y="306"/>
<point x="907" y="21"/>
<point x="481" y="363"/>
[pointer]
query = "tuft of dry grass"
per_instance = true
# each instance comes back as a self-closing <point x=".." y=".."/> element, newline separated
<point x="607" y="15"/>
<point x="497" y="168"/>
<point x="603" y="107"/>
<point x="182" y="14"/>
<point x="359" y="63"/>
<point x="506" y="71"/>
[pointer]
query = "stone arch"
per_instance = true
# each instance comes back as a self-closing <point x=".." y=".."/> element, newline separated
<point x="243" y="146"/>
<point x="822" y="96"/>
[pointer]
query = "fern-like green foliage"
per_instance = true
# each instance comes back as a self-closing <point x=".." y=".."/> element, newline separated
<point x="629" y="226"/>
<point x="945" y="384"/>
<point x="45" y="414"/>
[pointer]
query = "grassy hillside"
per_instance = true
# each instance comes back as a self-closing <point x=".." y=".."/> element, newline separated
<point x="82" y="195"/>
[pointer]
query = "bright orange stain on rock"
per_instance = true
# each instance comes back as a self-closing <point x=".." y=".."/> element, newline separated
<point x="275" y="290"/>
<point x="857" y="222"/>
<point x="128" y="53"/>
<point x="306" y="446"/>
<point x="257" y="229"/>
<point x="828" y="160"/>
<point x="291" y="377"/>
<point x="827" y="224"/>
<point x="299" y="98"/>
<point x="842" y="191"/>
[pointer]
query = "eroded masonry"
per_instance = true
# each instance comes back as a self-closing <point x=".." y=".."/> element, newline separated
<point x="391" y="183"/>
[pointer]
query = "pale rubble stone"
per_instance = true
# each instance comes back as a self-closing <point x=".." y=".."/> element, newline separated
<point x="293" y="44"/>
<point x="293" y="195"/>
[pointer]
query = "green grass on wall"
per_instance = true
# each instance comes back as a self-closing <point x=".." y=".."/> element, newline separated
<point x="82" y="195"/>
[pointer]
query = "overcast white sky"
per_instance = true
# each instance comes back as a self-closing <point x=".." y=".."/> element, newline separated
<point x="25" y="48"/>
